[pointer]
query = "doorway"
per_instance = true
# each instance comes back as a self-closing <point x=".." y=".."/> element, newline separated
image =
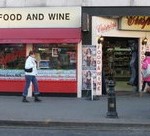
<point x="120" y="62"/>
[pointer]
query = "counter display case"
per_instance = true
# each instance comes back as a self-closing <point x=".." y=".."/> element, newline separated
<point x="50" y="81"/>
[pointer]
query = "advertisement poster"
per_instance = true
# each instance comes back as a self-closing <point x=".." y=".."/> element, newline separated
<point x="88" y="66"/>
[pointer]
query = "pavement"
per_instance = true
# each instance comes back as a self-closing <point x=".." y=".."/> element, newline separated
<point x="132" y="110"/>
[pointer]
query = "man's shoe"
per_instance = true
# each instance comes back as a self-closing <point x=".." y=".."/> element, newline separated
<point x="37" y="99"/>
<point x="25" y="100"/>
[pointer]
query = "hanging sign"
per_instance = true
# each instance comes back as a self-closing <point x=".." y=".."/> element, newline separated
<point x="99" y="69"/>
<point x="139" y="23"/>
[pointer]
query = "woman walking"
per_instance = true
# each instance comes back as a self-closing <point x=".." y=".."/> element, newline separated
<point x="145" y="63"/>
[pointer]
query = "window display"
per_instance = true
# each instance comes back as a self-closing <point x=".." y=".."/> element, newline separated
<point x="42" y="64"/>
<point x="56" y="61"/>
<point x="55" y="56"/>
<point x="12" y="56"/>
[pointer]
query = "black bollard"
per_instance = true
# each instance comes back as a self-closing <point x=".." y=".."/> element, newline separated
<point x="111" y="101"/>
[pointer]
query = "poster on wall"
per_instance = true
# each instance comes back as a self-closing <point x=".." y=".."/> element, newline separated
<point x="89" y="57"/>
<point x="54" y="52"/>
<point x="87" y="77"/>
<point x="88" y="66"/>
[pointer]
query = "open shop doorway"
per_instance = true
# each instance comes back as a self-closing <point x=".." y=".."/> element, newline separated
<point x="120" y="63"/>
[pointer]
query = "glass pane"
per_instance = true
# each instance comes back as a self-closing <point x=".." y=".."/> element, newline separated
<point x="55" y="56"/>
<point x="12" y="56"/>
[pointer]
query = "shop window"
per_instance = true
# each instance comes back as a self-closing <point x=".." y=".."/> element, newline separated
<point x="56" y="56"/>
<point x="56" y="61"/>
<point x="12" y="56"/>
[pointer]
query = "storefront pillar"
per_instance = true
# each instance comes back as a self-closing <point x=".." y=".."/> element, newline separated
<point x="29" y="47"/>
<point x="79" y="70"/>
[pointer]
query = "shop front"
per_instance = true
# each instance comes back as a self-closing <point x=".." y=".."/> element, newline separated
<point x="55" y="35"/>
<point x="122" y="49"/>
<point x="118" y="35"/>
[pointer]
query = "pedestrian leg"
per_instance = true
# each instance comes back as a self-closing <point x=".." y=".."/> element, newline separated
<point x="36" y="89"/>
<point x="25" y="91"/>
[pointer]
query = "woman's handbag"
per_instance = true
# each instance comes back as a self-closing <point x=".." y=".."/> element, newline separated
<point x="146" y="72"/>
<point x="28" y="70"/>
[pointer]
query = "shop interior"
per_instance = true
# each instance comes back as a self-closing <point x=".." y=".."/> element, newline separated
<point x="12" y="56"/>
<point x="48" y="56"/>
<point x="54" y="61"/>
<point x="55" y="56"/>
<point x="120" y="62"/>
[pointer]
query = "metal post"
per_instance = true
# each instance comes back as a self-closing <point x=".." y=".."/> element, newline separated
<point x="92" y="91"/>
<point x="111" y="101"/>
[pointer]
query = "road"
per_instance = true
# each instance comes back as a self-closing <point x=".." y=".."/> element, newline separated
<point x="57" y="131"/>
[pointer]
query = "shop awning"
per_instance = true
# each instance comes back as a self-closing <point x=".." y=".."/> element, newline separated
<point x="50" y="35"/>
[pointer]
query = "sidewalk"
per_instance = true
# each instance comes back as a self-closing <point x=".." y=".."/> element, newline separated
<point x="131" y="109"/>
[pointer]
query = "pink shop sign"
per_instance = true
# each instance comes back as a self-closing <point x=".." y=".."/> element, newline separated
<point x="102" y="28"/>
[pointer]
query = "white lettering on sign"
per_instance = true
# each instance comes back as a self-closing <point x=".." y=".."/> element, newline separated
<point x="53" y="17"/>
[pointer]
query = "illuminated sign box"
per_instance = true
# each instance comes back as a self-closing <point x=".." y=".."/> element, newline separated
<point x="135" y="23"/>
